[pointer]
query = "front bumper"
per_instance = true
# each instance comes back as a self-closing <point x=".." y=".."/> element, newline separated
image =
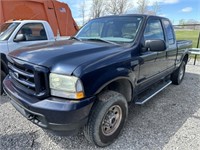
<point x="59" y="115"/>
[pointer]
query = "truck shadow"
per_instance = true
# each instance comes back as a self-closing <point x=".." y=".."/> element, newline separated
<point x="151" y="125"/>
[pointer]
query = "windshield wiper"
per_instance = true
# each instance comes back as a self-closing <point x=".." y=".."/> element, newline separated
<point x="101" y="40"/>
<point x="74" y="38"/>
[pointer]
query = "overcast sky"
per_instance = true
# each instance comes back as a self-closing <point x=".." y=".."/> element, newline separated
<point x="175" y="10"/>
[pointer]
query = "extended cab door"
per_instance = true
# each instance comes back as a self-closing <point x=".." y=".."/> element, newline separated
<point x="30" y="33"/>
<point x="154" y="62"/>
<point x="171" y="44"/>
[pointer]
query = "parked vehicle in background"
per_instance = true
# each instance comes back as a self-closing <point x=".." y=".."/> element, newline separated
<point x="89" y="81"/>
<point x="16" y="34"/>
<point x="57" y="14"/>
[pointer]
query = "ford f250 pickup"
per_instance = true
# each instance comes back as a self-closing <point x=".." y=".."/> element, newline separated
<point x="89" y="80"/>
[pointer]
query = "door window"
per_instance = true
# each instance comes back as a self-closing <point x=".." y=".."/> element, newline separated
<point x="33" y="32"/>
<point x="153" y="30"/>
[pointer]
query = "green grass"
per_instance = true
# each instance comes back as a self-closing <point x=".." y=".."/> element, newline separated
<point x="188" y="35"/>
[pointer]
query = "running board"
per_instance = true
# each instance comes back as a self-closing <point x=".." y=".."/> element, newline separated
<point x="152" y="93"/>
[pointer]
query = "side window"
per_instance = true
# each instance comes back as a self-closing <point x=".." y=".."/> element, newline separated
<point x="33" y="32"/>
<point x="153" y="30"/>
<point x="169" y="31"/>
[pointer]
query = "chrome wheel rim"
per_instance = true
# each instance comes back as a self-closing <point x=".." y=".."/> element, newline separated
<point x="111" y="120"/>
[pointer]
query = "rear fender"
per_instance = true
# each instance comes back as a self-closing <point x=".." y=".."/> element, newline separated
<point x="184" y="55"/>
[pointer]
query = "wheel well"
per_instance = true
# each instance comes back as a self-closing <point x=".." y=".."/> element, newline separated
<point x="122" y="86"/>
<point x="185" y="59"/>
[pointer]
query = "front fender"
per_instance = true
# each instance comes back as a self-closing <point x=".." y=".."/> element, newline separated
<point x="95" y="82"/>
<point x="103" y="85"/>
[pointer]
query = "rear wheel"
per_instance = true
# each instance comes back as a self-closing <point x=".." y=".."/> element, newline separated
<point x="3" y="75"/>
<point x="179" y="74"/>
<point x="107" y="119"/>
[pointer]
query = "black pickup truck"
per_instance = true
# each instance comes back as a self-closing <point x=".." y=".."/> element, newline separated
<point x="89" y="80"/>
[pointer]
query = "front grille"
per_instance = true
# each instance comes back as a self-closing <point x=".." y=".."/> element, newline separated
<point x="29" y="78"/>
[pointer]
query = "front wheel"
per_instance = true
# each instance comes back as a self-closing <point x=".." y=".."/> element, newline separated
<point x="107" y="119"/>
<point x="179" y="74"/>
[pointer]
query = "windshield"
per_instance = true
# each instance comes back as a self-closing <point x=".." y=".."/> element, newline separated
<point x="6" y="30"/>
<point x="121" y="30"/>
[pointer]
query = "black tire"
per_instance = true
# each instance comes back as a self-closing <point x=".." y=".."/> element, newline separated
<point x="110" y="110"/>
<point x="3" y="75"/>
<point x="178" y="75"/>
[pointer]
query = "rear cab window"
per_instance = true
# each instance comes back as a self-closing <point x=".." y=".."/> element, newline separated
<point x="169" y="31"/>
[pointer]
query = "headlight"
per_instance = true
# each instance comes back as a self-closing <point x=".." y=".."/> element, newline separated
<point x="66" y="86"/>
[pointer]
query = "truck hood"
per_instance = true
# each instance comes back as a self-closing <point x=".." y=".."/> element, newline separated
<point x="64" y="56"/>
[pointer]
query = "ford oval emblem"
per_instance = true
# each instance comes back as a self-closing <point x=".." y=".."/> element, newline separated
<point x="16" y="74"/>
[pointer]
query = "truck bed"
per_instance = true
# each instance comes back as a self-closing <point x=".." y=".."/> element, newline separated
<point x="184" y="44"/>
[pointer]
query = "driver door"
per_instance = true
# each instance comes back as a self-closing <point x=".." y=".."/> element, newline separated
<point x="154" y="62"/>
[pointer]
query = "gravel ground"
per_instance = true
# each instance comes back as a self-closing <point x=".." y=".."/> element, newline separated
<point x="171" y="120"/>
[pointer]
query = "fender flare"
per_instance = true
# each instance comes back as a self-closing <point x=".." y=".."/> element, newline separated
<point x="123" y="74"/>
<point x="113" y="80"/>
<point x="185" y="55"/>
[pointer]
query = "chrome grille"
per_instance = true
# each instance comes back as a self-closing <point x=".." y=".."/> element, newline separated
<point x="29" y="78"/>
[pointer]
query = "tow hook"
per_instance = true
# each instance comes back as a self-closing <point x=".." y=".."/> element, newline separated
<point x="33" y="119"/>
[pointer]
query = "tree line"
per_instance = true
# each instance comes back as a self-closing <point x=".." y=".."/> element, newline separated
<point x="116" y="7"/>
